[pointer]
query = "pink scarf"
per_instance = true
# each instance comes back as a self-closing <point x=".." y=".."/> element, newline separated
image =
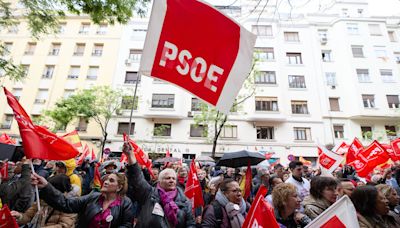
<point x="168" y="204"/>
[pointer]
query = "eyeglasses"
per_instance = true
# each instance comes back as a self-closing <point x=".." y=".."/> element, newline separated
<point x="234" y="190"/>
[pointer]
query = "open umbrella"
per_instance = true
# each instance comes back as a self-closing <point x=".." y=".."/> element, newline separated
<point x="205" y="159"/>
<point x="240" y="159"/>
<point x="166" y="159"/>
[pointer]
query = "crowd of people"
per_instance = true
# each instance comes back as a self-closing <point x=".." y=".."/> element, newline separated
<point x="130" y="197"/>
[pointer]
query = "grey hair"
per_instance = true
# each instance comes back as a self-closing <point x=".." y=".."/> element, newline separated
<point x="164" y="172"/>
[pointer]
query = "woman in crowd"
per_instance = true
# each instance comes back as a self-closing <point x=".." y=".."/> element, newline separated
<point x="109" y="208"/>
<point x="323" y="193"/>
<point x="51" y="217"/>
<point x="372" y="208"/>
<point x="274" y="180"/>
<point x="286" y="203"/>
<point x="391" y="195"/>
<point x="182" y="176"/>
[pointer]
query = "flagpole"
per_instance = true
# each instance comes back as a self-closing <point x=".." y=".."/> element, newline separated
<point x="36" y="189"/>
<point x="133" y="105"/>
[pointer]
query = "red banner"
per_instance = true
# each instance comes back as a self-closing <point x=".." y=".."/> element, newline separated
<point x="84" y="154"/>
<point x="354" y="149"/>
<point x="6" y="139"/>
<point x="140" y="156"/>
<point x="6" y="220"/>
<point x="375" y="154"/>
<point x="342" y="149"/>
<point x="193" y="189"/>
<point x="37" y="141"/>
<point x="4" y="171"/>
<point x="396" y="147"/>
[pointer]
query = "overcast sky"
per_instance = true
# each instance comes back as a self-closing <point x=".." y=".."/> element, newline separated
<point x="384" y="7"/>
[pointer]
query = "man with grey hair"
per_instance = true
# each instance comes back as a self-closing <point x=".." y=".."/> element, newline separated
<point x="163" y="205"/>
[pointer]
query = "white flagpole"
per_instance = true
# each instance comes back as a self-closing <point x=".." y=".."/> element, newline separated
<point x="133" y="105"/>
<point x="36" y="190"/>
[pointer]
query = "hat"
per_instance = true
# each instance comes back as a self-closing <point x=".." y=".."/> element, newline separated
<point x="61" y="164"/>
<point x="61" y="182"/>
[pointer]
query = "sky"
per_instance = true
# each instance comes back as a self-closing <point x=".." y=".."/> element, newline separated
<point x="384" y="7"/>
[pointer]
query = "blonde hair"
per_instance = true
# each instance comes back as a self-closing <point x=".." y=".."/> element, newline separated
<point x="121" y="180"/>
<point x="385" y="189"/>
<point x="281" y="193"/>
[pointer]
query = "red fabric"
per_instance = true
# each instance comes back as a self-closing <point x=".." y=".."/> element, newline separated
<point x="4" y="171"/>
<point x="6" y="220"/>
<point x="193" y="189"/>
<point x="396" y="148"/>
<point x="97" y="177"/>
<point x="249" y="179"/>
<point x="100" y="220"/>
<point x="84" y="154"/>
<point x="342" y="149"/>
<point x="261" y="214"/>
<point x="333" y="222"/>
<point x="37" y="141"/>
<point x="93" y="156"/>
<point x="6" y="139"/>
<point x="393" y="156"/>
<point x="354" y="149"/>
<point x="140" y="156"/>
<point x="168" y="154"/>
<point x="268" y="155"/>
<point x="326" y="161"/>
<point x="375" y="153"/>
<point x="123" y="158"/>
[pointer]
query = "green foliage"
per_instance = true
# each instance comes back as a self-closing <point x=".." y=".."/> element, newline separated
<point x="161" y="130"/>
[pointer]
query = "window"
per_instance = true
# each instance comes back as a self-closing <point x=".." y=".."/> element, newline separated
<point x="392" y="36"/>
<point x="380" y="52"/>
<point x="397" y="56"/>
<point x="196" y="104"/>
<point x="13" y="29"/>
<point x="102" y="30"/>
<point x="265" y="77"/>
<point x="352" y="29"/>
<point x="8" y="119"/>
<point x="338" y="131"/>
<point x="330" y="78"/>
<point x="366" y="132"/>
<point x="82" y="124"/>
<point x="127" y="102"/>
<point x="265" y="133"/>
<point x="360" y="12"/>
<point x="42" y="96"/>
<point x="393" y="101"/>
<point x="17" y="92"/>
<point x="334" y="104"/>
<point x="345" y="12"/>
<point x="363" y="75"/>
<point x="7" y="47"/>
<point x="198" y="130"/>
<point x="294" y="58"/>
<point x="368" y="100"/>
<point x="68" y="93"/>
<point x="357" y="51"/>
<point x="374" y="30"/>
<point x="97" y="50"/>
<point x="387" y="75"/>
<point x="326" y="56"/>
<point x="323" y="35"/>
<point x="55" y="49"/>
<point x="391" y="132"/>
<point x="48" y="71"/>
<point x="124" y="128"/>
<point x="30" y="48"/>
<point x="162" y="129"/>
<point x="135" y="55"/>
<point x="92" y="73"/>
<point x="74" y="72"/>
<point x="229" y="131"/>
<point x="61" y="27"/>
<point x="25" y="69"/>
<point x="84" y="29"/>
<point x="79" y="49"/>
<point x="302" y="133"/>
<point x="291" y="36"/>
<point x="264" y="54"/>
<point x="163" y="101"/>
<point x="299" y="107"/>
<point x="262" y="30"/>
<point x="266" y="103"/>
<point x="131" y="77"/>
<point x="297" y="81"/>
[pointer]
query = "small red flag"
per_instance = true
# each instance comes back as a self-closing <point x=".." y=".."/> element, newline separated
<point x="245" y="183"/>
<point x="396" y="147"/>
<point x="6" y="219"/>
<point x="84" y="154"/>
<point x="193" y="189"/>
<point x="168" y="154"/>
<point x="6" y="139"/>
<point x="97" y="177"/>
<point x="375" y="154"/>
<point x="354" y="149"/>
<point x="140" y="156"/>
<point x="4" y="171"/>
<point x="342" y="149"/>
<point x="261" y="214"/>
<point x="38" y="142"/>
<point x="93" y="156"/>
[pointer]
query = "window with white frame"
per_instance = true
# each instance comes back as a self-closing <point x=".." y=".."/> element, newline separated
<point x="84" y="29"/>
<point x="330" y="78"/>
<point x="397" y="57"/>
<point x="127" y="103"/>
<point x="294" y="58"/>
<point x="48" y="71"/>
<point x="124" y="128"/>
<point x="291" y="36"/>
<point x="102" y="29"/>
<point x="198" y="130"/>
<point x="97" y="50"/>
<point x="393" y="101"/>
<point x="380" y="52"/>
<point x="297" y="81"/>
<point x="363" y="75"/>
<point x="163" y="101"/>
<point x="229" y="131"/>
<point x="7" y="47"/>
<point x="366" y="132"/>
<point x="368" y="100"/>
<point x="392" y="36"/>
<point x="7" y="121"/>
<point x="265" y="77"/>
<point x="334" y="104"/>
<point x="323" y="35"/>
<point x="79" y="49"/>
<point x="74" y="72"/>
<point x="42" y="96"/>
<point x="338" y="131"/>
<point x="374" y="30"/>
<point x="357" y="51"/>
<point x="265" y="132"/>
<point x="30" y="48"/>
<point x="92" y="73"/>
<point x="25" y="69"/>
<point x="14" y="28"/>
<point x="162" y="129"/>
<point x="55" y="49"/>
<point x="386" y="75"/>
<point x="326" y="55"/>
<point x="17" y="92"/>
<point x="135" y="55"/>
<point x="131" y="77"/>
<point x="391" y="132"/>
<point x="299" y="107"/>
<point x="196" y="104"/>
<point x="266" y="103"/>
<point x="68" y="93"/>
<point x="302" y="133"/>
<point x="352" y="29"/>
<point x="262" y="30"/>
<point x="62" y="27"/>
<point x="264" y="54"/>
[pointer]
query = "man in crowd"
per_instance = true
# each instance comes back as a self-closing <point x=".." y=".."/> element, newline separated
<point x="296" y="178"/>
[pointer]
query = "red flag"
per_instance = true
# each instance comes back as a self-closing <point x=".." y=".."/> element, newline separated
<point x="354" y="149"/>
<point x="6" y="139"/>
<point x="245" y="183"/>
<point x="261" y="214"/>
<point x="328" y="160"/>
<point x="97" y="177"/>
<point x="93" y="156"/>
<point x="140" y="156"/>
<point x="168" y="154"/>
<point x="38" y="142"/>
<point x="193" y="189"/>
<point x="84" y="154"/>
<point x="342" y="149"/>
<point x="396" y="147"/>
<point x="375" y="153"/>
<point x="208" y="56"/>
<point x="393" y="156"/>
<point x="6" y="220"/>
<point x="73" y="138"/>
<point x="4" y="171"/>
<point x="123" y="158"/>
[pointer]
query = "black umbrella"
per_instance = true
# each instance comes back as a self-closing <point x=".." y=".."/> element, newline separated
<point x="166" y="159"/>
<point x="240" y="159"/>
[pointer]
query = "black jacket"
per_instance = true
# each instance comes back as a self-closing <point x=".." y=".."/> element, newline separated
<point x="17" y="193"/>
<point x="147" y="197"/>
<point x="87" y="207"/>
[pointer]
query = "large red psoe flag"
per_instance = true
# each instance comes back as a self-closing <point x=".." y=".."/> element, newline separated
<point x="193" y="189"/>
<point x="194" y="46"/>
<point x="261" y="214"/>
<point x="37" y="141"/>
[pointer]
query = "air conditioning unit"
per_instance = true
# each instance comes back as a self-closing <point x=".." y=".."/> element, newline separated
<point x="323" y="40"/>
<point x="333" y="86"/>
<point x="190" y="114"/>
<point x="128" y="61"/>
